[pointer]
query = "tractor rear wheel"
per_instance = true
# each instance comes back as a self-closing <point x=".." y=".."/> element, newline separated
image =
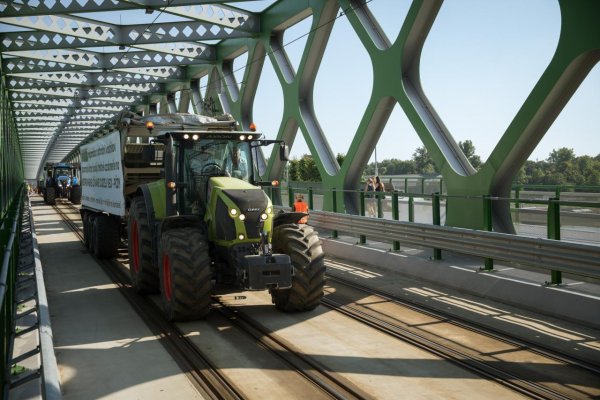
<point x="75" y="195"/>
<point x="144" y="274"/>
<point x="302" y="244"/>
<point x="50" y="196"/>
<point x="185" y="274"/>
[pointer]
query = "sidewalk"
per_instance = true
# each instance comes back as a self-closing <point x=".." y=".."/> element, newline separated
<point x="103" y="348"/>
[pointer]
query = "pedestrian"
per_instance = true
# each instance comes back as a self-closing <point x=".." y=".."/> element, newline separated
<point x="370" y="187"/>
<point x="301" y="206"/>
<point x="379" y="186"/>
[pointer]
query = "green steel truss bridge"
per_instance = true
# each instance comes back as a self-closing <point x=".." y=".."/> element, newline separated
<point x="65" y="77"/>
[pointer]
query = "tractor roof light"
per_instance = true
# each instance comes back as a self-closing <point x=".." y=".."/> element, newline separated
<point x="195" y="137"/>
<point x="275" y="182"/>
<point x="242" y="137"/>
<point x="171" y="185"/>
<point x="186" y="136"/>
<point x="149" y="126"/>
<point x="253" y="127"/>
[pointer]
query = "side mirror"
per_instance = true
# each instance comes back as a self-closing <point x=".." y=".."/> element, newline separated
<point x="284" y="152"/>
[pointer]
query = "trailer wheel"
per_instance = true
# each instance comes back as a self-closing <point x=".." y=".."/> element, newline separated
<point x="303" y="246"/>
<point x="86" y="228"/>
<point x="50" y="196"/>
<point x="144" y="274"/>
<point x="185" y="274"/>
<point x="106" y="238"/>
<point x="75" y="195"/>
<point x="92" y="232"/>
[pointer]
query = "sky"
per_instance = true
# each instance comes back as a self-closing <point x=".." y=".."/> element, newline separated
<point x="479" y="63"/>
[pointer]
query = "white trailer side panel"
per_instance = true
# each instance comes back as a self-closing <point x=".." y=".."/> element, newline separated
<point x="102" y="175"/>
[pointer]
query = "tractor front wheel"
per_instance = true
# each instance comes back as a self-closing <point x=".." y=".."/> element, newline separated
<point x="144" y="274"/>
<point x="302" y="244"/>
<point x="185" y="274"/>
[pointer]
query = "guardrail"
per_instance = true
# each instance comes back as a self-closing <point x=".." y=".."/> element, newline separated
<point x="547" y="254"/>
<point x="9" y="230"/>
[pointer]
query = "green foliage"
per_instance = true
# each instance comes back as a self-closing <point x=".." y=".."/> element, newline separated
<point x="303" y="169"/>
<point x="468" y="150"/>
<point x="562" y="167"/>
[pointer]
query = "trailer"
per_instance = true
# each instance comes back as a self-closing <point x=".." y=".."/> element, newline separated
<point x="184" y="192"/>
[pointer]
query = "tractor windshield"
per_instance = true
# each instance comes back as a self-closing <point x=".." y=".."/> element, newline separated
<point x="206" y="158"/>
<point x="215" y="157"/>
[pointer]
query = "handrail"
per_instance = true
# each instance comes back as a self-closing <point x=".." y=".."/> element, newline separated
<point x="547" y="254"/>
<point x="7" y="284"/>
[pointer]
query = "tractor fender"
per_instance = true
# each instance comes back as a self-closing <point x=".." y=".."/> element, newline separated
<point x="283" y="217"/>
<point x="178" y="221"/>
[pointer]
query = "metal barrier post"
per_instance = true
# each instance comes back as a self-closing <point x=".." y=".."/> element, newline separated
<point x="380" y="196"/>
<point x="334" y="233"/>
<point x="405" y="185"/>
<point x="487" y="222"/>
<point x="435" y="203"/>
<point x="554" y="233"/>
<point x="517" y="194"/>
<point x="441" y="185"/>
<point x="310" y="198"/>
<point x="411" y="209"/>
<point x="422" y="185"/>
<point x="395" y="216"/>
<point x="290" y="196"/>
<point x="362" y="238"/>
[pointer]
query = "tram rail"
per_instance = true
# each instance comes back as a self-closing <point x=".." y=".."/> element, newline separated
<point x="525" y="380"/>
<point x="206" y="377"/>
<point x="521" y="378"/>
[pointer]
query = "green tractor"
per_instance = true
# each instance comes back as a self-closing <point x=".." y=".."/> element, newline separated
<point x="209" y="223"/>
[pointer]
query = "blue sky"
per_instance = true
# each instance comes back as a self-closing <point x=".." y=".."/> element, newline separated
<point x="479" y="63"/>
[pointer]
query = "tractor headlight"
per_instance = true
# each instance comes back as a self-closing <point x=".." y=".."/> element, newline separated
<point x="186" y="136"/>
<point x="269" y="210"/>
<point x="233" y="212"/>
<point x="241" y="236"/>
<point x="264" y="216"/>
<point x="242" y="217"/>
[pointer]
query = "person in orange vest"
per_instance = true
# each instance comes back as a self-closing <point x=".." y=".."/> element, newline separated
<point x="301" y="206"/>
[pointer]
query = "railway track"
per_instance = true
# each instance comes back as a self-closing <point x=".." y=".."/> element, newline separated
<point x="516" y="375"/>
<point x="206" y="377"/>
<point x="525" y="378"/>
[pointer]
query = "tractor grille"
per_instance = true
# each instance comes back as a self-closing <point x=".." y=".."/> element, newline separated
<point x="225" y="227"/>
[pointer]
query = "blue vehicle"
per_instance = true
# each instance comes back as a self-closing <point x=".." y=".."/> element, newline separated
<point x="62" y="182"/>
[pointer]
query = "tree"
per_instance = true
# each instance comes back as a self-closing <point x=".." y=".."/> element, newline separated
<point x="423" y="162"/>
<point x="468" y="150"/>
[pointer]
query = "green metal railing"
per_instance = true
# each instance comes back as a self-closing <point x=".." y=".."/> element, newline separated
<point x="10" y="229"/>
<point x="436" y="201"/>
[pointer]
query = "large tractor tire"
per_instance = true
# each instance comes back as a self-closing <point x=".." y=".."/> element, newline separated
<point x="144" y="274"/>
<point x="106" y="237"/>
<point x="75" y="195"/>
<point x="185" y="274"/>
<point x="50" y="196"/>
<point x="303" y="246"/>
